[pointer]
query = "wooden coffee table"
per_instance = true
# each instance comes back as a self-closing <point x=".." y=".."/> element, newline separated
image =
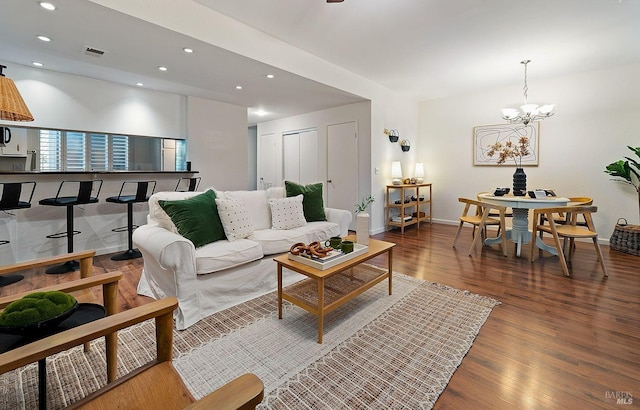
<point x="326" y="290"/>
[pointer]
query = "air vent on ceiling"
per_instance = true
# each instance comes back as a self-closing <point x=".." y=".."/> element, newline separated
<point x="92" y="51"/>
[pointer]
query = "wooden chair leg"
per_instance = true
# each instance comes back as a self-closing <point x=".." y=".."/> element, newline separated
<point x="502" y="228"/>
<point x="458" y="234"/>
<point x="533" y="241"/>
<point x="563" y="261"/>
<point x="600" y="258"/>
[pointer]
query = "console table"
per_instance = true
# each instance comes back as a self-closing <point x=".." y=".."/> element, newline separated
<point x="418" y="210"/>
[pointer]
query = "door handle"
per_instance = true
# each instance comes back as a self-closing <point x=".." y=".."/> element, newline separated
<point x="329" y="181"/>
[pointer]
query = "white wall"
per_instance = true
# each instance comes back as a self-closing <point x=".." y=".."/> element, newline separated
<point x="217" y="145"/>
<point x="596" y="116"/>
<point x="71" y="102"/>
<point x="359" y="112"/>
<point x="216" y="139"/>
<point x="388" y="110"/>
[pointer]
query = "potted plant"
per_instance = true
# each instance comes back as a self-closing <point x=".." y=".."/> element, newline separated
<point x="514" y="151"/>
<point x="627" y="171"/>
<point x="362" y="220"/>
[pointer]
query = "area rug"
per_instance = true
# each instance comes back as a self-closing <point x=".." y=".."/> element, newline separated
<point x="378" y="351"/>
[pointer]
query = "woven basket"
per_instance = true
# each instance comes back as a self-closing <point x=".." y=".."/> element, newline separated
<point x="625" y="238"/>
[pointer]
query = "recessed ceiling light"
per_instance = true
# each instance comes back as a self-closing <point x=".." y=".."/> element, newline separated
<point x="139" y="84"/>
<point x="261" y="113"/>
<point x="44" y="38"/>
<point x="187" y="50"/>
<point x="37" y="64"/>
<point x="238" y="87"/>
<point x="270" y="76"/>
<point x="162" y="68"/>
<point x="48" y="6"/>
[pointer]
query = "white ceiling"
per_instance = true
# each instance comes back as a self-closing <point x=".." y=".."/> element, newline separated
<point x="422" y="48"/>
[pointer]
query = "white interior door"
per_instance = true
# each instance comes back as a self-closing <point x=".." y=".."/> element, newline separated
<point x="308" y="157"/>
<point x="269" y="160"/>
<point x="342" y="167"/>
<point x="300" y="157"/>
<point x="291" y="157"/>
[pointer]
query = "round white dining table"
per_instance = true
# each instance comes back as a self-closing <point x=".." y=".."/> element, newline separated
<point x="519" y="232"/>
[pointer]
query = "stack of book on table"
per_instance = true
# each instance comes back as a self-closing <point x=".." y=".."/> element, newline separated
<point x="399" y="218"/>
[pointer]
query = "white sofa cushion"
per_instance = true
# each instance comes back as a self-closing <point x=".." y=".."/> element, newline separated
<point x="256" y="203"/>
<point x="221" y="255"/>
<point x="276" y="192"/>
<point x="287" y="213"/>
<point x="275" y="241"/>
<point x="235" y="217"/>
<point x="318" y="231"/>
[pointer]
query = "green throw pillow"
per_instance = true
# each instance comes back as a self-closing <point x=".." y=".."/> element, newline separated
<point x="312" y="205"/>
<point x="196" y="218"/>
<point x="36" y="307"/>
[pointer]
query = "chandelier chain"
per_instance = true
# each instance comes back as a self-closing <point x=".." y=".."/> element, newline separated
<point x="525" y="88"/>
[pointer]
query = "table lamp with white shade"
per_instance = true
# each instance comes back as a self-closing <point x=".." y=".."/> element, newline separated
<point x="396" y="173"/>
<point x="419" y="173"/>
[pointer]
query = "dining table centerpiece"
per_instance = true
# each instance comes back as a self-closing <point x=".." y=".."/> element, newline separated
<point x="514" y="151"/>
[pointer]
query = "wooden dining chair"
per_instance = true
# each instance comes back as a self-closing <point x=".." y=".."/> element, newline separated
<point x="570" y="230"/>
<point x="561" y="218"/>
<point x="476" y="213"/>
<point x="494" y="213"/>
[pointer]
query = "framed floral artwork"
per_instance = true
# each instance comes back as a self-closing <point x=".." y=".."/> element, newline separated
<point x="487" y="137"/>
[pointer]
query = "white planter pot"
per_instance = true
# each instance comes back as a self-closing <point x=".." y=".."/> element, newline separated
<point x="362" y="228"/>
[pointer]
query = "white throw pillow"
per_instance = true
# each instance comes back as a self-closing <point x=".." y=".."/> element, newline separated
<point x="257" y="205"/>
<point x="287" y="213"/>
<point x="235" y="217"/>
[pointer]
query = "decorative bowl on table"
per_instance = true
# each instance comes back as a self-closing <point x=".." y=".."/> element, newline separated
<point x="37" y="312"/>
<point x="501" y="191"/>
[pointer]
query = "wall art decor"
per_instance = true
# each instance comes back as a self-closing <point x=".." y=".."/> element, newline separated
<point x="485" y="136"/>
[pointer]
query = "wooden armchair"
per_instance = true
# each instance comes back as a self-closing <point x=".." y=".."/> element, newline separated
<point x="477" y="213"/>
<point x="155" y="385"/>
<point x="81" y="290"/>
<point x="569" y="230"/>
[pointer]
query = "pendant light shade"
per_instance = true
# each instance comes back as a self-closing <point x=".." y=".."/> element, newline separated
<point x="12" y="106"/>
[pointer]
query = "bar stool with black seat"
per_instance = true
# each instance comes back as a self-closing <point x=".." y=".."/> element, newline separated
<point x="13" y="198"/>
<point x="126" y="196"/>
<point x="84" y="196"/>
<point x="191" y="184"/>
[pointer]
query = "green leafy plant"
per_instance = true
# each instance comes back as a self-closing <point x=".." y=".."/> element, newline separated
<point x="366" y="201"/>
<point x="627" y="171"/>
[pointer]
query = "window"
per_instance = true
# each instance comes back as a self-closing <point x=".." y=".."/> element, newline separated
<point x="73" y="157"/>
<point x="99" y="152"/>
<point x="181" y="155"/>
<point x="50" y="143"/>
<point x="94" y="151"/>
<point x="120" y="149"/>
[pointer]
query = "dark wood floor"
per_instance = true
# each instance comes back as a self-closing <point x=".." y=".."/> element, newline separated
<point x="554" y="342"/>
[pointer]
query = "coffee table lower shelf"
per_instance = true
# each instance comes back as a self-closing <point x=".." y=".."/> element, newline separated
<point x="321" y="296"/>
<point x="325" y="290"/>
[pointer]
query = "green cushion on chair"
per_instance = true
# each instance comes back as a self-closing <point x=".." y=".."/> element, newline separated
<point x="196" y="218"/>
<point x="312" y="202"/>
<point x="35" y="308"/>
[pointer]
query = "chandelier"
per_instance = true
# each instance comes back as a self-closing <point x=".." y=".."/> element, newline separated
<point x="530" y="112"/>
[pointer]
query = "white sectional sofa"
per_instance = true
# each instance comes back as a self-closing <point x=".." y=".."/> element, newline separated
<point x="226" y="272"/>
